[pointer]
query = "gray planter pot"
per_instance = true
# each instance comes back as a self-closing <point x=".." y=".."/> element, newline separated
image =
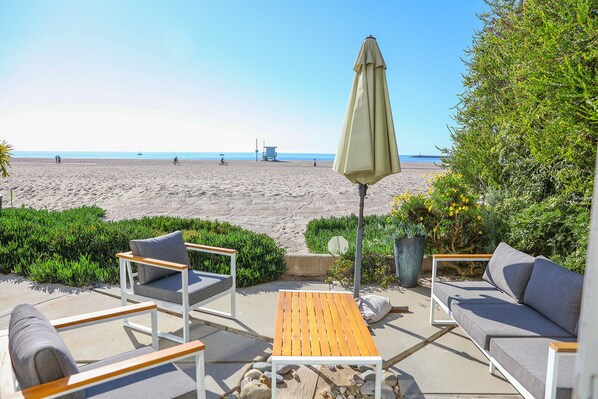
<point x="409" y="253"/>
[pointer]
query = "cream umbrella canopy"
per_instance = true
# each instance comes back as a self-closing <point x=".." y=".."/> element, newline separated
<point x="367" y="150"/>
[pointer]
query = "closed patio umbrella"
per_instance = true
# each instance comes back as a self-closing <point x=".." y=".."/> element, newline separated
<point x="367" y="150"/>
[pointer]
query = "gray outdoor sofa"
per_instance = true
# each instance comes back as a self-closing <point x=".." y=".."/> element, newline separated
<point x="523" y="316"/>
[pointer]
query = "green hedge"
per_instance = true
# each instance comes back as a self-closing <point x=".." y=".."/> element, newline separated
<point x="378" y="251"/>
<point x="76" y="246"/>
<point x="375" y="239"/>
<point x="527" y="123"/>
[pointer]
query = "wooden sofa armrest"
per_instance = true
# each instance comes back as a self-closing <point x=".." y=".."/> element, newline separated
<point x="209" y="249"/>
<point x="109" y="372"/>
<point x="151" y="262"/>
<point x="564" y="347"/>
<point x="101" y="316"/>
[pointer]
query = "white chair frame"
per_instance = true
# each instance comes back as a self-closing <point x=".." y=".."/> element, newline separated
<point x="127" y="293"/>
<point x="556" y="350"/>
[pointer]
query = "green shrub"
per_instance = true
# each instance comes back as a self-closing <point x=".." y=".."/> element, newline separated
<point x="81" y="272"/>
<point x="76" y="247"/>
<point x="375" y="269"/>
<point x="527" y="123"/>
<point x="451" y="213"/>
<point x="320" y="231"/>
<point x="396" y="228"/>
<point x="378" y="252"/>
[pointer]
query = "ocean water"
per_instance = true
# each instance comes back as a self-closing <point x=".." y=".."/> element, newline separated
<point x="191" y="156"/>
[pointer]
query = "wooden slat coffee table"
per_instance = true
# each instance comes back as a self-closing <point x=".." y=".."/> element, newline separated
<point x="319" y="327"/>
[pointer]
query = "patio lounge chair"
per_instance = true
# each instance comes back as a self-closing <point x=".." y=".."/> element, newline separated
<point x="35" y="362"/>
<point x="165" y="277"/>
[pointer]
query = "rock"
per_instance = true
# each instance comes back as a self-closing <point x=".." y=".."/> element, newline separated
<point x="342" y="390"/>
<point x="269" y="359"/>
<point x="255" y="390"/>
<point x="332" y="368"/>
<point x="279" y="378"/>
<point x="364" y="367"/>
<point x="296" y="376"/>
<point x="369" y="387"/>
<point x="266" y="381"/>
<point x="368" y="375"/>
<point x="254" y="374"/>
<point x="390" y="378"/>
<point x="283" y="369"/>
<point x="245" y="381"/>
<point x="262" y="366"/>
<point x="350" y="397"/>
<point x="358" y="380"/>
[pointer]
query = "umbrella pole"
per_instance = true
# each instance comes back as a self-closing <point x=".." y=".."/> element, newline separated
<point x="363" y="188"/>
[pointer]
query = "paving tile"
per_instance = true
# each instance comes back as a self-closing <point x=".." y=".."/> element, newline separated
<point x="451" y="365"/>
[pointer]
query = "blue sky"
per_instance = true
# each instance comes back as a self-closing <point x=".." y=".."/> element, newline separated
<point x="214" y="76"/>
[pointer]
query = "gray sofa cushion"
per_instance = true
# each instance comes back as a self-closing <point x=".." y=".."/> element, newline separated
<point x="169" y="247"/>
<point x="526" y="359"/>
<point x="482" y="322"/>
<point x="167" y="381"/>
<point x="202" y="285"/>
<point x="509" y="270"/>
<point x="37" y="352"/>
<point x="469" y="292"/>
<point x="556" y="293"/>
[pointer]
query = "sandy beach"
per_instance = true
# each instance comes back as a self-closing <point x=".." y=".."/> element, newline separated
<point x="273" y="198"/>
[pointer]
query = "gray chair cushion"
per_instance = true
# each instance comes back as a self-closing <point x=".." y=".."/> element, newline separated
<point x="37" y="352"/>
<point x="469" y="292"/>
<point x="526" y="359"/>
<point x="169" y="247"/>
<point x="202" y="285"/>
<point x="482" y="322"/>
<point x="556" y="293"/>
<point x="509" y="270"/>
<point x="167" y="381"/>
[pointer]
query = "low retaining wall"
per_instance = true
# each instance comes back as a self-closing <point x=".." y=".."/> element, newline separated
<point x="317" y="265"/>
<point x="308" y="265"/>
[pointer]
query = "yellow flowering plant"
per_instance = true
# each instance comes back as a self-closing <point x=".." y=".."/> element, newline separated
<point x="450" y="212"/>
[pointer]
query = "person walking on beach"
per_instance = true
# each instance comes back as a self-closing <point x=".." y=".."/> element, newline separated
<point x="176" y="161"/>
<point x="315" y="162"/>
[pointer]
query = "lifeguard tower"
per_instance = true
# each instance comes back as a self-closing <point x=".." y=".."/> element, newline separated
<point x="269" y="153"/>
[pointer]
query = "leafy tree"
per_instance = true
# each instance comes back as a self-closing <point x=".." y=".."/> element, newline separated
<point x="5" y="150"/>
<point x="527" y="123"/>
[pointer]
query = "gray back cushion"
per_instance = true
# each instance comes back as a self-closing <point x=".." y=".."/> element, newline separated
<point x="556" y="293"/>
<point x="509" y="270"/>
<point x="169" y="247"/>
<point x="37" y="352"/>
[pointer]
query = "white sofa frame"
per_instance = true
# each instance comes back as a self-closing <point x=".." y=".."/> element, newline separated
<point x="127" y="281"/>
<point x="556" y="350"/>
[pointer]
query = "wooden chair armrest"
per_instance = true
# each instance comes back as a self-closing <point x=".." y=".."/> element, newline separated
<point x="464" y="257"/>
<point x="152" y="262"/>
<point x="110" y="372"/>
<point x="103" y="316"/>
<point x="213" y="250"/>
<point x="564" y="347"/>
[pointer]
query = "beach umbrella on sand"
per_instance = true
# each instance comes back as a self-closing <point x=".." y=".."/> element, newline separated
<point x="367" y="150"/>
